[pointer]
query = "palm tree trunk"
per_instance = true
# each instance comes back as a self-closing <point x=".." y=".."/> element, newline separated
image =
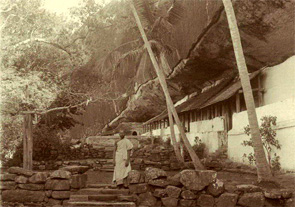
<point x="196" y="161"/>
<point x="173" y="138"/>
<point x="263" y="169"/>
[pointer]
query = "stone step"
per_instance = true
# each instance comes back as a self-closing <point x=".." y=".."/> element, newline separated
<point x="112" y="186"/>
<point x="104" y="204"/>
<point x="96" y="191"/>
<point x="106" y="170"/>
<point x="103" y="197"/>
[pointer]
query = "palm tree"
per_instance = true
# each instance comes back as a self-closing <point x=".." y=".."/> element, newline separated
<point x="263" y="169"/>
<point x="162" y="80"/>
<point x="173" y="138"/>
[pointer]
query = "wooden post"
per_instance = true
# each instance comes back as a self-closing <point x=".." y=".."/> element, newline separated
<point x="238" y="103"/>
<point x="28" y="143"/>
<point x="260" y="97"/>
<point x="196" y="161"/>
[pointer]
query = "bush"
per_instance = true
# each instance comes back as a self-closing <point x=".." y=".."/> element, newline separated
<point x="268" y="136"/>
<point x="198" y="147"/>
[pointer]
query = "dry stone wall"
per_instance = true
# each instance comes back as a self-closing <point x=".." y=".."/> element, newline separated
<point x="19" y="185"/>
<point x="201" y="188"/>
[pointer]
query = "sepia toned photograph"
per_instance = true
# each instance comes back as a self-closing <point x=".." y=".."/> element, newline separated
<point x="147" y="103"/>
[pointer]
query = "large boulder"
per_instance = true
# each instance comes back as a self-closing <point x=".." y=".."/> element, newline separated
<point x="147" y="199"/>
<point x="138" y="188"/>
<point x="252" y="200"/>
<point x="20" y="171"/>
<point x="187" y="203"/>
<point x="78" y="181"/>
<point x="205" y="201"/>
<point x="57" y="184"/>
<point x="248" y="188"/>
<point x="174" y="180"/>
<point x="7" y="177"/>
<point x="159" y="193"/>
<point x="61" y="174"/>
<point x="169" y="202"/>
<point x="173" y="191"/>
<point x="267" y="35"/>
<point x="31" y="186"/>
<point x="61" y="194"/>
<point x="188" y="195"/>
<point x="158" y="182"/>
<point x="227" y="199"/>
<point x="152" y="173"/>
<point x="135" y="176"/>
<point x="21" y="179"/>
<point x="76" y="169"/>
<point x="39" y="177"/>
<point x="22" y="196"/>
<point x="216" y="188"/>
<point x="7" y="185"/>
<point x="197" y="179"/>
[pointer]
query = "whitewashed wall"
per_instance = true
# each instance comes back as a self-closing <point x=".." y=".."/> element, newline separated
<point x="279" y="83"/>
<point x="207" y="131"/>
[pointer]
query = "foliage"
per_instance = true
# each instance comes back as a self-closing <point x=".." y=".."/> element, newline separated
<point x="199" y="147"/>
<point x="268" y="136"/>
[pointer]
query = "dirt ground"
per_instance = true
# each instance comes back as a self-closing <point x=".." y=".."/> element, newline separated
<point x="285" y="180"/>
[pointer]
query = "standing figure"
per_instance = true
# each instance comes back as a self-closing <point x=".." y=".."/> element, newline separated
<point x="122" y="160"/>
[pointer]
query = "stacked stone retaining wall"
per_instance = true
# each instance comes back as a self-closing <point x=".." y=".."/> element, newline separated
<point x="27" y="187"/>
<point x="199" y="188"/>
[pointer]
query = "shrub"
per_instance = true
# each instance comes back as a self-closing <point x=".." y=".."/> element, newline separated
<point x="268" y="136"/>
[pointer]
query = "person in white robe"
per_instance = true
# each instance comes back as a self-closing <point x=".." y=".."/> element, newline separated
<point x="121" y="158"/>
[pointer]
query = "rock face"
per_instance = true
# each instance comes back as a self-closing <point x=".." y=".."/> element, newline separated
<point x="197" y="179"/>
<point x="267" y="34"/>
<point x="23" y="196"/>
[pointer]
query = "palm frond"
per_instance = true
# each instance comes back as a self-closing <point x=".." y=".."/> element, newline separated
<point x="145" y="13"/>
<point x="175" y="12"/>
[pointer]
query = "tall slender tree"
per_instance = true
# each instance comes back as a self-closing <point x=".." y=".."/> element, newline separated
<point x="162" y="80"/>
<point x="173" y="138"/>
<point x="263" y="169"/>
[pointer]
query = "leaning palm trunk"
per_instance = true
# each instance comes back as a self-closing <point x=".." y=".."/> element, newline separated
<point x="173" y="139"/>
<point x="263" y="169"/>
<point x="196" y="161"/>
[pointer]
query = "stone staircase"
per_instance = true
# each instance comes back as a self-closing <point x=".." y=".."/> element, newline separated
<point x="103" y="195"/>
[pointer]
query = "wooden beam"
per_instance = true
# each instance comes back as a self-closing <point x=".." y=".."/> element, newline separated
<point x="260" y="95"/>
<point x="238" y="103"/>
<point x="255" y="90"/>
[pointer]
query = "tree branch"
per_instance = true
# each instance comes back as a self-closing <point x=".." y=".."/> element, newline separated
<point x="43" y="41"/>
<point x="41" y="112"/>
